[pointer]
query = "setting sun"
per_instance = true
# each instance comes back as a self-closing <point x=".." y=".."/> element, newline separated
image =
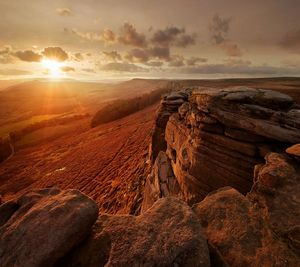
<point x="53" y="67"/>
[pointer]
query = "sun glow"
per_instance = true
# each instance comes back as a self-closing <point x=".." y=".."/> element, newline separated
<point x="53" y="67"/>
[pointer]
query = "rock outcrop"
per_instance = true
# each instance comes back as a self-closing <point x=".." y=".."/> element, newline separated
<point x="217" y="137"/>
<point x="261" y="229"/>
<point x="41" y="226"/>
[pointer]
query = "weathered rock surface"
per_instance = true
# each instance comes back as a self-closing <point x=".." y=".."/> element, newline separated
<point x="41" y="226"/>
<point x="161" y="182"/>
<point x="217" y="137"/>
<point x="168" y="234"/>
<point x="261" y="229"/>
<point x="169" y="105"/>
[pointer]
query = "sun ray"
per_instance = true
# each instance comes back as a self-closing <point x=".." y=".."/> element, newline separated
<point x="53" y="67"/>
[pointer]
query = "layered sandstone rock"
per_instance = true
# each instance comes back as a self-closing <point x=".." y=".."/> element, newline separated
<point x="41" y="226"/>
<point x="169" y="105"/>
<point x="261" y="229"/>
<point x="217" y="137"/>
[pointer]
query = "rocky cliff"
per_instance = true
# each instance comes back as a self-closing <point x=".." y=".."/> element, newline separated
<point x="211" y="138"/>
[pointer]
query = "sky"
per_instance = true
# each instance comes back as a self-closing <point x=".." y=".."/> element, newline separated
<point x="110" y="39"/>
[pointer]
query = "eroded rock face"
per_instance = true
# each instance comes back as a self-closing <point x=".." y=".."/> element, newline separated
<point x="161" y="182"/>
<point x="169" y="105"/>
<point x="217" y="137"/>
<point x="168" y="234"/>
<point x="261" y="229"/>
<point x="41" y="226"/>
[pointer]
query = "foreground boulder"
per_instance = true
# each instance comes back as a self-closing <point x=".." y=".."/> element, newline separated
<point x="261" y="229"/>
<point x="168" y="234"/>
<point x="41" y="226"/>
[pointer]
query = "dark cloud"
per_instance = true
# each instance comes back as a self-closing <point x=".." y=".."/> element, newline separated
<point x="160" y="53"/>
<point x="55" y="53"/>
<point x="130" y="36"/>
<point x="112" y="55"/>
<point x="14" y="72"/>
<point x="122" y="67"/>
<point x="28" y="56"/>
<point x="64" y="11"/>
<point x="219" y="29"/>
<point x="67" y="69"/>
<point x="291" y="41"/>
<point x="173" y="36"/>
<point x="138" y="55"/>
<point x="195" y="60"/>
<point x="144" y="55"/>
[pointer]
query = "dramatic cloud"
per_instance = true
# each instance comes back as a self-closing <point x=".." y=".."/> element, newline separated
<point x="219" y="28"/>
<point x="112" y="55"/>
<point x="64" y="12"/>
<point x="195" y="60"/>
<point x="55" y="53"/>
<point x="173" y="36"/>
<point x="67" y="69"/>
<point x="291" y="41"/>
<point x="122" y="67"/>
<point x="28" y="56"/>
<point x="130" y="36"/>
<point x="144" y="55"/>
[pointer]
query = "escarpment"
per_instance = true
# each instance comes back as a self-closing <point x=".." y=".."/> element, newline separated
<point x="215" y="137"/>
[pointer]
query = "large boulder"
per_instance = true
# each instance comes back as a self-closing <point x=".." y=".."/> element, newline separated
<point x="40" y="227"/>
<point x="168" y="234"/>
<point x="261" y="229"/>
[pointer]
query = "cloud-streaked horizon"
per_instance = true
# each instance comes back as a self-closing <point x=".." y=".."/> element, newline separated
<point x="197" y="38"/>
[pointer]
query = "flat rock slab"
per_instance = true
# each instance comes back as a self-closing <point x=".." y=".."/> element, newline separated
<point x="43" y="225"/>
<point x="168" y="234"/>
